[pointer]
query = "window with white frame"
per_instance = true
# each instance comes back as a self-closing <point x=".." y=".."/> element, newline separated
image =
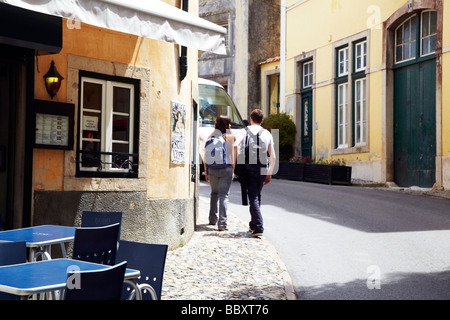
<point x="107" y="127"/>
<point x="405" y="40"/>
<point x="428" y="32"/>
<point x="360" y="56"/>
<point x="308" y="74"/>
<point x="343" y="62"/>
<point x="342" y="115"/>
<point x="351" y="85"/>
<point x="360" y="111"/>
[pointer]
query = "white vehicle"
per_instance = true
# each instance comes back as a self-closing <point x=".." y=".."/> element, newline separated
<point x="214" y="101"/>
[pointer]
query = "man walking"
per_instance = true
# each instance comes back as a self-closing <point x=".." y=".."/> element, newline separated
<point x="258" y="172"/>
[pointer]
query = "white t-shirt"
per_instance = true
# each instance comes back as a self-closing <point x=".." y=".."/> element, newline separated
<point x="265" y="137"/>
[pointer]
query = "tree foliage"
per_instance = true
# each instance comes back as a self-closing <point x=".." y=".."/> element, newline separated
<point x="287" y="132"/>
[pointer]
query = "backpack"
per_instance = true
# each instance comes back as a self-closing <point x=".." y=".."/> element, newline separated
<point x="255" y="158"/>
<point x="216" y="152"/>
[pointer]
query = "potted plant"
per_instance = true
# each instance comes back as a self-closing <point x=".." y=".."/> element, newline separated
<point x="333" y="171"/>
<point x="294" y="169"/>
<point x="287" y="131"/>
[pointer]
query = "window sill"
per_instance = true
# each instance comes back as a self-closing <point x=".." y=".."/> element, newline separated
<point x="355" y="149"/>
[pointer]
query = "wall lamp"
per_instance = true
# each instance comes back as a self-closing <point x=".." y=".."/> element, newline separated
<point x="53" y="80"/>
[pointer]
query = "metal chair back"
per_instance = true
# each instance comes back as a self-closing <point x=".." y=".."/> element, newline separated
<point x="150" y="260"/>
<point x="96" y="285"/>
<point x="12" y="253"/>
<point x="100" y="219"/>
<point x="97" y="244"/>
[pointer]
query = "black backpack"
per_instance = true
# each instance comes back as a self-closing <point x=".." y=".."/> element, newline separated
<point x="255" y="158"/>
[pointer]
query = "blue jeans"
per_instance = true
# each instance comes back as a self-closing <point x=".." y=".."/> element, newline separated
<point x="220" y="180"/>
<point x="254" y="187"/>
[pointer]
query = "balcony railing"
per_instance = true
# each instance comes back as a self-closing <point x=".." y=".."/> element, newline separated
<point x="108" y="161"/>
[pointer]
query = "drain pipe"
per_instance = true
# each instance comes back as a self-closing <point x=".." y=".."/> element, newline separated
<point x="183" y="57"/>
<point x="283" y="56"/>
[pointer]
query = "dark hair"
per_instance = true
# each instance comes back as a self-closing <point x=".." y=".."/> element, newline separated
<point x="257" y="116"/>
<point x="222" y="124"/>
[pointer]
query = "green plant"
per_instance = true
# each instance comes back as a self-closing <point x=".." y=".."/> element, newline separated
<point x="287" y="132"/>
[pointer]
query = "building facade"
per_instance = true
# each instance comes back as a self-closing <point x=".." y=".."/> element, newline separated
<point x="253" y="36"/>
<point x="371" y="91"/>
<point x="119" y="135"/>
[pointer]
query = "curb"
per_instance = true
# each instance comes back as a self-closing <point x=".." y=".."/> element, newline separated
<point x="288" y="284"/>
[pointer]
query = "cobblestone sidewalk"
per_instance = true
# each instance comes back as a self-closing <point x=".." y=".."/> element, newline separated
<point x="225" y="265"/>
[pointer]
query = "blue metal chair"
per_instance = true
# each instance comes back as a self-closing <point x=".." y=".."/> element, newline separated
<point x="12" y="253"/>
<point x="97" y="244"/>
<point x="150" y="260"/>
<point x="96" y="285"/>
<point x="100" y="219"/>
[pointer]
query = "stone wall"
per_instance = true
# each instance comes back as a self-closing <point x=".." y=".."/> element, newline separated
<point x="162" y="221"/>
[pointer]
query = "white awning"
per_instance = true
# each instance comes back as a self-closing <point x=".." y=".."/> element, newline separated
<point x="152" y="19"/>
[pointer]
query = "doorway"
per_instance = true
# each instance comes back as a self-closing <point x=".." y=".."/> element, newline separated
<point x="415" y="125"/>
<point x="273" y="82"/>
<point x="307" y="128"/>
<point x="13" y="119"/>
<point x="415" y="101"/>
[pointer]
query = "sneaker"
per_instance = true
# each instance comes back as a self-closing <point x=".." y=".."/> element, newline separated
<point x="256" y="234"/>
<point x="223" y="228"/>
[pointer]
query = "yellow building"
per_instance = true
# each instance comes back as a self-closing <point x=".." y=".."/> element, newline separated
<point x="120" y="134"/>
<point x="367" y="79"/>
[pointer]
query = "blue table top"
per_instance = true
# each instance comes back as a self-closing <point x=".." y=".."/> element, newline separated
<point x="40" y="236"/>
<point x="37" y="277"/>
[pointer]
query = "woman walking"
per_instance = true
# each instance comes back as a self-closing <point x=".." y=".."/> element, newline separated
<point x="220" y="175"/>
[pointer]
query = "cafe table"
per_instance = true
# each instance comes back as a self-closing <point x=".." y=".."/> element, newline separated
<point x="40" y="239"/>
<point x="27" y="279"/>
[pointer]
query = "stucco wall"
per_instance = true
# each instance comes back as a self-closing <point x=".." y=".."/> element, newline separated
<point x="159" y="205"/>
<point x="321" y="36"/>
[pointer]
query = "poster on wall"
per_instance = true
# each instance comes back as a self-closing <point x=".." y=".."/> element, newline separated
<point x="178" y="132"/>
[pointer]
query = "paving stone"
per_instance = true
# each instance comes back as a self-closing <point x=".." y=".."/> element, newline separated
<point x="225" y="265"/>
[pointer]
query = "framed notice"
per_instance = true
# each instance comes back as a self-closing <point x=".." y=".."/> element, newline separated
<point x="54" y="123"/>
<point x="178" y="133"/>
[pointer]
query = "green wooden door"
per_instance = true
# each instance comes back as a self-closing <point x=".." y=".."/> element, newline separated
<point x="307" y="127"/>
<point x="415" y="124"/>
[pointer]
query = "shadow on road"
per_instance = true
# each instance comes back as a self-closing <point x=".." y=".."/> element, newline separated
<point x="396" y="286"/>
<point x="370" y="210"/>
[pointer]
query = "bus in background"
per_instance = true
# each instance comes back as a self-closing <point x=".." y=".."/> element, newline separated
<point x="214" y="101"/>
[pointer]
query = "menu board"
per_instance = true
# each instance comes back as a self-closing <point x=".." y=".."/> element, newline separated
<point x="52" y="129"/>
<point x="53" y="125"/>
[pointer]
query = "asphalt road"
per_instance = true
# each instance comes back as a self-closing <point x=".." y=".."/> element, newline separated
<point x="341" y="242"/>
